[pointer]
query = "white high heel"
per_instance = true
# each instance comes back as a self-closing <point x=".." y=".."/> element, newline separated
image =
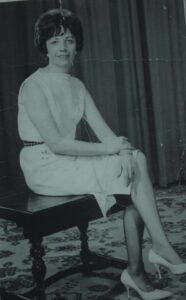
<point x="158" y="260"/>
<point x="157" y="294"/>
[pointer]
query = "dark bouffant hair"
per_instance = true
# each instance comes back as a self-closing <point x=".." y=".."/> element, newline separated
<point x="49" y="25"/>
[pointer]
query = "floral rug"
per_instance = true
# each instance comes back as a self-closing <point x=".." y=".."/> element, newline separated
<point x="105" y="237"/>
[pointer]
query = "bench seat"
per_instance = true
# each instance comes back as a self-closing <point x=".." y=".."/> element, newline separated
<point x="40" y="216"/>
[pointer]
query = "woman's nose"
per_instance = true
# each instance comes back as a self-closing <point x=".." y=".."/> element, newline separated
<point x="63" y="45"/>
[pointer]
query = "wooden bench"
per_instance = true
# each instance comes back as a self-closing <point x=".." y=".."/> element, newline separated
<point x="40" y="216"/>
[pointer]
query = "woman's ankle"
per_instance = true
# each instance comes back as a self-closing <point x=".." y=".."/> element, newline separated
<point x="135" y="270"/>
<point x="140" y="277"/>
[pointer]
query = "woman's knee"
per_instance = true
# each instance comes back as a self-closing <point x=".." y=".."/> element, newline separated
<point x="131" y="212"/>
<point x="141" y="160"/>
<point x="132" y="218"/>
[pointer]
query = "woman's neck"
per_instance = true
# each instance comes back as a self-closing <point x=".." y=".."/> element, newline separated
<point x="55" y="69"/>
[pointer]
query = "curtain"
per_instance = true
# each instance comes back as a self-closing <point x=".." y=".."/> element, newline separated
<point x="133" y="63"/>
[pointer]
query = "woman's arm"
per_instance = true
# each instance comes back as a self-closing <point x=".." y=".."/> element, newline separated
<point x="105" y="134"/>
<point x="39" y="112"/>
<point x="99" y="126"/>
<point x="96" y="121"/>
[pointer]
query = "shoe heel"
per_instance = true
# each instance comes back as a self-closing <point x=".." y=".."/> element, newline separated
<point x="128" y="291"/>
<point x="158" y="271"/>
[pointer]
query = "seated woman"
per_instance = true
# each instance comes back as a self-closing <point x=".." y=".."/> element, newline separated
<point x="51" y="104"/>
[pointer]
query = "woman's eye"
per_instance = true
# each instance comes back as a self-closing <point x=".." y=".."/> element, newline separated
<point x="53" y="42"/>
<point x="71" y="41"/>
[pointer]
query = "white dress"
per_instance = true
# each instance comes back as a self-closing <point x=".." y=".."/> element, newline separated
<point x="47" y="173"/>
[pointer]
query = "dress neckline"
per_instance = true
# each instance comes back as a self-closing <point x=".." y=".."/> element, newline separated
<point x="56" y="74"/>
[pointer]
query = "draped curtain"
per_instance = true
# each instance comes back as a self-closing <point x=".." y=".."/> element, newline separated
<point x="133" y="63"/>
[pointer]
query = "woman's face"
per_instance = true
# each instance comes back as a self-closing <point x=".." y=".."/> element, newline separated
<point x="61" y="50"/>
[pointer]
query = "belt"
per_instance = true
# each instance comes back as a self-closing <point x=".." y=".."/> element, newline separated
<point x="31" y="143"/>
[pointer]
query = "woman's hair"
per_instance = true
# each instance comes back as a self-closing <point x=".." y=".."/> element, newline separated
<point x="51" y="22"/>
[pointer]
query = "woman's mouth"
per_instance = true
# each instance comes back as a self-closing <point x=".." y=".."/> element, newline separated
<point x="62" y="56"/>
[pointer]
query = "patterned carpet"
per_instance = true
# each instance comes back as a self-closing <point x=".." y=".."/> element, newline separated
<point x="105" y="237"/>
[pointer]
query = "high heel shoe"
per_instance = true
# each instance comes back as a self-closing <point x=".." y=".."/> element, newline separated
<point x="128" y="282"/>
<point x="158" y="260"/>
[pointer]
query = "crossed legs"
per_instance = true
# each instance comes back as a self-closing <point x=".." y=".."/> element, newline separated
<point x="143" y="212"/>
<point x="143" y="198"/>
<point x="134" y="229"/>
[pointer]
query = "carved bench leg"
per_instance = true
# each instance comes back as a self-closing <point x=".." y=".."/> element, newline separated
<point x="91" y="260"/>
<point x="85" y="253"/>
<point x="38" y="266"/>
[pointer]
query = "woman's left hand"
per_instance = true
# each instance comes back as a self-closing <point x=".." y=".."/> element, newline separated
<point x="128" y="164"/>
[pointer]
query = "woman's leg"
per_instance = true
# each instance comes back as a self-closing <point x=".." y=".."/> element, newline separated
<point x="134" y="229"/>
<point x="143" y="198"/>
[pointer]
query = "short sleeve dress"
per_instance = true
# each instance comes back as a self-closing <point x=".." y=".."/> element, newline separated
<point x="47" y="173"/>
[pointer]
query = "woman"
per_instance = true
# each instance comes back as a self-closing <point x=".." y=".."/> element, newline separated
<point x="51" y="104"/>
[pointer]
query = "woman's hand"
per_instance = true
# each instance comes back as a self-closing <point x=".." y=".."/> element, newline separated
<point x="117" y="144"/>
<point x="129" y="166"/>
<point x="114" y="145"/>
<point x="127" y="146"/>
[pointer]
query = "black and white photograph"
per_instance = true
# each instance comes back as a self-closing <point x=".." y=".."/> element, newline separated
<point x="92" y="149"/>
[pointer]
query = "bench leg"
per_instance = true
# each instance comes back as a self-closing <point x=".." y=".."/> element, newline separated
<point x="85" y="253"/>
<point x="38" y="266"/>
<point x="93" y="260"/>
